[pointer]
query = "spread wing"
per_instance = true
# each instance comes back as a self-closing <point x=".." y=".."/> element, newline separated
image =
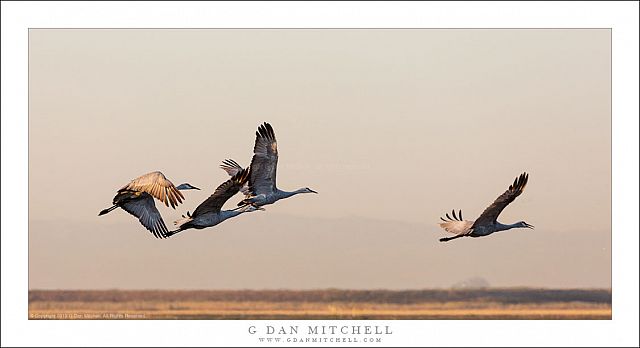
<point x="490" y="214"/>
<point x="144" y="208"/>
<point x="456" y="225"/>
<point x="214" y="203"/>
<point x="232" y="168"/>
<point x="262" y="177"/>
<point x="157" y="185"/>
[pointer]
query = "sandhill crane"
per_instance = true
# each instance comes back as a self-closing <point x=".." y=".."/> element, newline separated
<point x="261" y="189"/>
<point x="136" y="198"/>
<point x="209" y="213"/>
<point x="487" y="223"/>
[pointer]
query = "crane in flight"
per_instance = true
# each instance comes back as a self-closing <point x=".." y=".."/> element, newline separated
<point x="136" y="198"/>
<point x="209" y="213"/>
<point x="261" y="187"/>
<point x="487" y="222"/>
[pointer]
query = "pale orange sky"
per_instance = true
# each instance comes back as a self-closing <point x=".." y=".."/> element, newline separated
<point x="392" y="127"/>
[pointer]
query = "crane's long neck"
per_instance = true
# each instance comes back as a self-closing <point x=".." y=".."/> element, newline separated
<point x="505" y="227"/>
<point x="227" y="214"/>
<point x="287" y="194"/>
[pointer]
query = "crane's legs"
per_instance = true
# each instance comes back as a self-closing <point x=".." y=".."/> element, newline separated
<point x="452" y="238"/>
<point x="104" y="211"/>
<point x="171" y="233"/>
<point x="248" y="205"/>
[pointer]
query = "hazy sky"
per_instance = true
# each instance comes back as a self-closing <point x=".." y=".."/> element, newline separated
<point x="393" y="128"/>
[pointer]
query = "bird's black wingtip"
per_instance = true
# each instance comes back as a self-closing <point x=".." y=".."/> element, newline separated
<point x="266" y="131"/>
<point x="229" y="163"/>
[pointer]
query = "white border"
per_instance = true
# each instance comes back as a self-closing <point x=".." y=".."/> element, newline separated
<point x="18" y="16"/>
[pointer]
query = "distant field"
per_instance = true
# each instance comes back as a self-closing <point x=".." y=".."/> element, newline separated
<point x="322" y="304"/>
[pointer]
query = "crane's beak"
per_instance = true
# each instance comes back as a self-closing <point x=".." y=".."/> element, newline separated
<point x="186" y="186"/>
<point x="529" y="226"/>
<point x="310" y="190"/>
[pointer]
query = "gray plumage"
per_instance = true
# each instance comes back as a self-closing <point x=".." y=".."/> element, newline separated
<point x="487" y="222"/>
<point x="137" y="199"/>
<point x="209" y="213"/>
<point x="261" y="187"/>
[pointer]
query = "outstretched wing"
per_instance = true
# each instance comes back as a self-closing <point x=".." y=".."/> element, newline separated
<point x="144" y="208"/>
<point x="231" y="167"/>
<point x="214" y="203"/>
<point x="456" y="225"/>
<point x="490" y="214"/>
<point x="262" y="177"/>
<point x="157" y="185"/>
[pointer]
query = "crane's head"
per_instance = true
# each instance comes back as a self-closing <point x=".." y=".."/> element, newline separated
<point x="186" y="186"/>
<point x="525" y="225"/>
<point x="308" y="190"/>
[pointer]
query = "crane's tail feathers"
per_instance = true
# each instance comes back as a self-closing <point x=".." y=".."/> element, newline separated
<point x="181" y="222"/>
<point x="104" y="211"/>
